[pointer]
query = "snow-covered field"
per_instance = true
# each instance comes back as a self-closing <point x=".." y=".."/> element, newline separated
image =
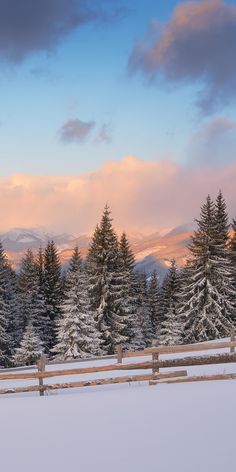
<point x="166" y="428"/>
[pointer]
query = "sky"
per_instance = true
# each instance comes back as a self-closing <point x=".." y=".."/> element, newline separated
<point x="126" y="102"/>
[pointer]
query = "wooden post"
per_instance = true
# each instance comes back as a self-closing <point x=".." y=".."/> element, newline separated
<point x="41" y="368"/>
<point x="119" y="353"/>
<point x="155" y="357"/>
<point x="232" y="338"/>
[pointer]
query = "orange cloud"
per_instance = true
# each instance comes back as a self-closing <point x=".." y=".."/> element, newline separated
<point x="144" y="195"/>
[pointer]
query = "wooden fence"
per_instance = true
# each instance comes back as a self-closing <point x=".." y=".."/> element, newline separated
<point x="154" y="365"/>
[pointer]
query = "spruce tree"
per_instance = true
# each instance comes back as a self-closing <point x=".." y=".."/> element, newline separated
<point x="131" y="297"/>
<point x="126" y="254"/>
<point x="39" y="264"/>
<point x="5" y="346"/>
<point x="232" y="254"/>
<point x="5" y="311"/>
<point x="154" y="304"/>
<point x="171" y="332"/>
<point x="30" y="348"/>
<point x="204" y="304"/>
<point x="102" y="270"/>
<point x="123" y="321"/>
<point x="143" y="312"/>
<point x="223" y="263"/>
<point x="32" y="302"/>
<point x="52" y="288"/>
<point x="14" y="308"/>
<point x="77" y="333"/>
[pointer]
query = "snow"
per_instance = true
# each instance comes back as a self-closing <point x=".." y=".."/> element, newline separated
<point x="168" y="428"/>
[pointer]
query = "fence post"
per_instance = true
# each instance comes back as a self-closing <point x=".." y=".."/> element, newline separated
<point x="155" y="357"/>
<point x="232" y="338"/>
<point x="41" y="363"/>
<point x="119" y="353"/>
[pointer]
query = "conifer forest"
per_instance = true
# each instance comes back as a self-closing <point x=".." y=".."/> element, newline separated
<point x="91" y="306"/>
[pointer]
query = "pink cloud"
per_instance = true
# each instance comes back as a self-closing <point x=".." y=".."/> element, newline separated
<point x="144" y="195"/>
<point x="196" y="44"/>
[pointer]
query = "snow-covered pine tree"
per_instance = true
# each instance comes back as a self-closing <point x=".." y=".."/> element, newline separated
<point x="102" y="270"/>
<point x="171" y="332"/>
<point x="8" y="310"/>
<point x="232" y="253"/>
<point x="5" y="345"/>
<point x="126" y="254"/>
<point x="30" y="348"/>
<point x="32" y="302"/>
<point x="154" y="304"/>
<point x="75" y="264"/>
<point x="200" y="300"/>
<point x="132" y="297"/>
<point x="77" y="332"/>
<point x="13" y="303"/>
<point x="52" y="288"/>
<point x="223" y="263"/>
<point x="39" y="264"/>
<point x="143" y="312"/>
<point x="45" y="325"/>
<point x="26" y="285"/>
<point x="124" y="316"/>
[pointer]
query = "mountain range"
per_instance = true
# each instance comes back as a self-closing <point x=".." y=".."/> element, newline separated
<point x="153" y="251"/>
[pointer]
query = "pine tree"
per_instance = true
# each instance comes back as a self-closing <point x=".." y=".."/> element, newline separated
<point x="77" y="333"/>
<point x="126" y="254"/>
<point x="39" y="264"/>
<point x="143" y="312"/>
<point x="5" y="340"/>
<point x="171" y="332"/>
<point x="232" y="253"/>
<point x="30" y="348"/>
<point x="223" y="262"/>
<point x="33" y="308"/>
<point x="44" y="326"/>
<point x="124" y="327"/>
<point x="52" y="289"/>
<point x="14" y="308"/>
<point x="154" y="304"/>
<point x="205" y="306"/>
<point x="101" y="268"/>
<point x="131" y="297"/>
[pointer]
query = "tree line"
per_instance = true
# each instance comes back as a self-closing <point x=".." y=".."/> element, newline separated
<point x="95" y="304"/>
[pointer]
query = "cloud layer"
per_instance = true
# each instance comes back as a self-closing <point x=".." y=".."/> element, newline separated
<point x="28" y="26"/>
<point x="197" y="44"/>
<point x="144" y="195"/>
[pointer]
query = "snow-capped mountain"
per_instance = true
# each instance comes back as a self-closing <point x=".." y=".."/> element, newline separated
<point x="153" y="251"/>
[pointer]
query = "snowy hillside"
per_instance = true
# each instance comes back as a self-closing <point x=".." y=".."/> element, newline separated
<point x="19" y="239"/>
<point x="182" y="428"/>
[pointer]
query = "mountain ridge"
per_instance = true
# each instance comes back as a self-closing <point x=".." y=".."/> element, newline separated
<point x="153" y="251"/>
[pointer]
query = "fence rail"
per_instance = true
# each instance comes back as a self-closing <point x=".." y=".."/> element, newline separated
<point x="154" y="377"/>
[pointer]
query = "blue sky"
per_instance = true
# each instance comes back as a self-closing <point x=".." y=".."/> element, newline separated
<point x="130" y="103"/>
<point x="85" y="77"/>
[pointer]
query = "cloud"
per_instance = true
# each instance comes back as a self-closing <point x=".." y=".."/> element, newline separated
<point x="196" y="45"/>
<point x="29" y="26"/>
<point x="143" y="195"/>
<point x="76" y="131"/>
<point x="214" y="142"/>
<point x="103" y="135"/>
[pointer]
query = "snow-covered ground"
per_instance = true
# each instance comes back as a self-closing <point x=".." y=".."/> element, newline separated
<point x="166" y="428"/>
